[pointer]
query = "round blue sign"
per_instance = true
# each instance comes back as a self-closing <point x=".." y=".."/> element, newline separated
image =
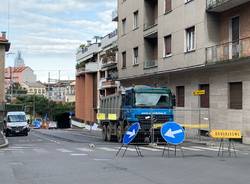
<point x="131" y="133"/>
<point x="173" y="133"/>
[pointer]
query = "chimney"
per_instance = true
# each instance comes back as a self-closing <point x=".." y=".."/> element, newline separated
<point x="3" y="35"/>
<point x="88" y="42"/>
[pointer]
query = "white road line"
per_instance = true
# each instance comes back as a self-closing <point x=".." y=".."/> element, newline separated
<point x="205" y="148"/>
<point x="128" y="149"/>
<point x="225" y="148"/>
<point x="64" y="150"/>
<point x="101" y="159"/>
<point x="107" y="149"/>
<point x="171" y="149"/>
<point x="191" y="149"/>
<point x="149" y="149"/>
<point x="85" y="149"/>
<point x="78" y="154"/>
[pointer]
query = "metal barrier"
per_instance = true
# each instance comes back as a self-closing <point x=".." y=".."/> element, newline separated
<point x="195" y="122"/>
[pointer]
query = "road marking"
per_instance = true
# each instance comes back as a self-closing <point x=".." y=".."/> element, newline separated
<point x="85" y="149"/>
<point x="149" y="149"/>
<point x="191" y="149"/>
<point x="101" y="159"/>
<point x="171" y="149"/>
<point x="78" y="154"/>
<point x="64" y="150"/>
<point x="205" y="148"/>
<point x="107" y="149"/>
<point x="128" y="149"/>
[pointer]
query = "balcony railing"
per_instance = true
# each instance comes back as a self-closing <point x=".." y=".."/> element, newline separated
<point x="228" y="51"/>
<point x="150" y="25"/>
<point x="223" y="5"/>
<point x="150" y="64"/>
<point x="114" y="15"/>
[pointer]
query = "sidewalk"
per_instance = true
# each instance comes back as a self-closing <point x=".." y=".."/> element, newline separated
<point x="3" y="140"/>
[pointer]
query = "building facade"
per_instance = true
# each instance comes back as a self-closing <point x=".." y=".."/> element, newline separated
<point x="61" y="91"/>
<point x="4" y="47"/>
<point x="19" y="75"/>
<point x="34" y="88"/>
<point x="96" y="76"/>
<point x="189" y="45"/>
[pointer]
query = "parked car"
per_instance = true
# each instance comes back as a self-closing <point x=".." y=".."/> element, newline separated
<point x="37" y="123"/>
<point x="52" y="125"/>
<point x="16" y="123"/>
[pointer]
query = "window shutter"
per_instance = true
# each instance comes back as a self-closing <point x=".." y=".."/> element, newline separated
<point x="235" y="96"/>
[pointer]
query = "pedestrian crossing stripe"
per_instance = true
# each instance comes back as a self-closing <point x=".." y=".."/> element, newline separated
<point x="64" y="150"/>
<point x="78" y="154"/>
<point x="107" y="149"/>
<point x="85" y="149"/>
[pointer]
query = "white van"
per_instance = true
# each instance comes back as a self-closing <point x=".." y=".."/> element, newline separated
<point x="16" y="123"/>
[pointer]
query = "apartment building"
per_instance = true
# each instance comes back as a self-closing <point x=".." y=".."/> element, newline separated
<point x="4" y="47"/>
<point x="95" y="76"/>
<point x="34" y="88"/>
<point x="189" y="45"/>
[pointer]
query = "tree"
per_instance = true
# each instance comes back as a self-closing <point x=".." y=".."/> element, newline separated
<point x="16" y="89"/>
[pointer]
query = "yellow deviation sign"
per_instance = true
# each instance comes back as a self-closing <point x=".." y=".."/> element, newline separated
<point x="195" y="126"/>
<point x="199" y="92"/>
<point x="157" y="125"/>
<point x="101" y="116"/>
<point x="226" y="134"/>
<point x="112" y="117"/>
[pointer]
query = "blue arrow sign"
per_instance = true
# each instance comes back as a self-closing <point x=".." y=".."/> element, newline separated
<point x="131" y="133"/>
<point x="173" y="133"/>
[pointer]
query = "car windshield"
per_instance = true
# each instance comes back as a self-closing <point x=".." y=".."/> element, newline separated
<point x="152" y="100"/>
<point x="16" y="118"/>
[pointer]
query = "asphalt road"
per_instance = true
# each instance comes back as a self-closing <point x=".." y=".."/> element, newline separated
<point x="68" y="156"/>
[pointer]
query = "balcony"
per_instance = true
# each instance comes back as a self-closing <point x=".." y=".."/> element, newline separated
<point x="115" y="16"/>
<point x="108" y="84"/>
<point x="223" y="5"/>
<point x="150" y="64"/>
<point x="151" y="29"/>
<point x="231" y="51"/>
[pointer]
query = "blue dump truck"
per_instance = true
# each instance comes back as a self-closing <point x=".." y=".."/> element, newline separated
<point x="150" y="106"/>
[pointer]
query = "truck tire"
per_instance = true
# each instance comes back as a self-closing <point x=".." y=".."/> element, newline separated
<point x="110" y="137"/>
<point x="104" y="132"/>
<point x="119" y="134"/>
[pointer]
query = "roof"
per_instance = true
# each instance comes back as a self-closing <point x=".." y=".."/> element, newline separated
<point x="17" y="69"/>
<point x="34" y="84"/>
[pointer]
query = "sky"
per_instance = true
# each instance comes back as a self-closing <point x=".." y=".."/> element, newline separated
<point x="48" y="32"/>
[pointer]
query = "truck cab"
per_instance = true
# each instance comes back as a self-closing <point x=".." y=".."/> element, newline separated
<point x="16" y="123"/>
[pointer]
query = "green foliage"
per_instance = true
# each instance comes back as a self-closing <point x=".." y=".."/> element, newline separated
<point x="43" y="106"/>
<point x="16" y="89"/>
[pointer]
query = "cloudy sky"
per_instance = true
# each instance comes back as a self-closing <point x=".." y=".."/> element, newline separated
<point x="48" y="32"/>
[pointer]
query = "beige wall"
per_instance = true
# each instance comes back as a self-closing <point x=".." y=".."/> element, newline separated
<point x="175" y="23"/>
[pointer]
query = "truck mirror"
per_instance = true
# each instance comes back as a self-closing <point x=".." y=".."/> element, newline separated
<point x="173" y="100"/>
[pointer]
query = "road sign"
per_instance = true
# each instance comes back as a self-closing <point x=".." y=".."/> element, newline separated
<point x="131" y="133"/>
<point x="112" y="117"/>
<point x="101" y="116"/>
<point x="199" y="92"/>
<point x="173" y="133"/>
<point x="226" y="134"/>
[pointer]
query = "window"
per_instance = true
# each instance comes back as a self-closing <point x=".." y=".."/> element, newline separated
<point x="136" y="19"/>
<point x="168" y="42"/>
<point x="190" y="39"/>
<point x="180" y="96"/>
<point x="124" y="60"/>
<point x="204" y="99"/>
<point x="102" y="74"/>
<point x="168" y="5"/>
<point x="235" y="95"/>
<point x="136" y="55"/>
<point x="124" y="26"/>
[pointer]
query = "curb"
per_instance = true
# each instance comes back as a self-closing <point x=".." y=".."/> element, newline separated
<point x="6" y="142"/>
